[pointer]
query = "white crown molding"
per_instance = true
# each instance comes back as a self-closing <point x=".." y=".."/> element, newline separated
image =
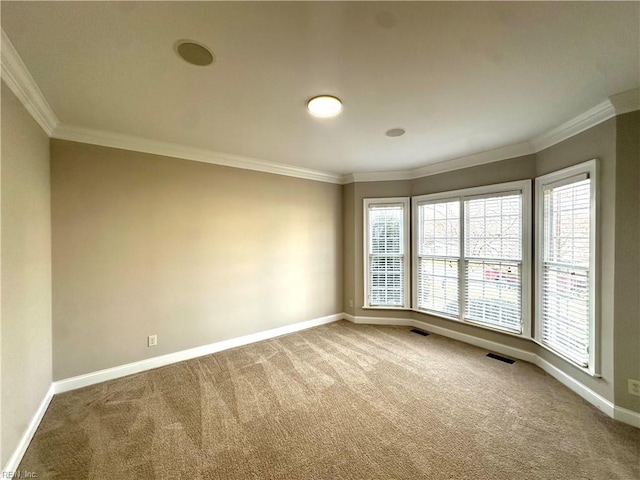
<point x="482" y="158"/>
<point x="586" y="120"/>
<point x="19" y="80"/>
<point x="348" y="178"/>
<point x="502" y="153"/>
<point x="138" y="144"/>
<point x="617" y="104"/>
<point x="388" y="176"/>
<point x="625" y="102"/>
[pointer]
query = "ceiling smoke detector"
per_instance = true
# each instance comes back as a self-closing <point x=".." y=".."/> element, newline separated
<point x="194" y="53"/>
<point x="324" y="106"/>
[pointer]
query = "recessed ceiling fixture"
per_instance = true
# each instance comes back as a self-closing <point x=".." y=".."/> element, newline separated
<point x="324" y="106"/>
<point x="395" y="132"/>
<point x="194" y="53"/>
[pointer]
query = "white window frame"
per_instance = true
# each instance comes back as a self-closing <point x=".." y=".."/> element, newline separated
<point x="415" y="258"/>
<point x="565" y="176"/>
<point x="523" y="186"/>
<point x="404" y="201"/>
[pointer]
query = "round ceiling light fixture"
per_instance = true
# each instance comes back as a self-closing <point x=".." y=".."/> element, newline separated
<point x="194" y="53"/>
<point x="324" y="106"/>
<point x="395" y="132"/>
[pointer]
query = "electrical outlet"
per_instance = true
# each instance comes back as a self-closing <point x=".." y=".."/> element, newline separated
<point x="634" y="387"/>
<point x="152" y="340"/>
<point x="351" y="303"/>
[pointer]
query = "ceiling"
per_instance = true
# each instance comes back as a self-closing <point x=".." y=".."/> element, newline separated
<point x="461" y="78"/>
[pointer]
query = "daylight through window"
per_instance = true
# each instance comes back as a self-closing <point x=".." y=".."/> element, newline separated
<point x="566" y="241"/>
<point x="470" y="255"/>
<point x="386" y="227"/>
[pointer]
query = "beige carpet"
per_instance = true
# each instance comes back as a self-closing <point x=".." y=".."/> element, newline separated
<point x="340" y="401"/>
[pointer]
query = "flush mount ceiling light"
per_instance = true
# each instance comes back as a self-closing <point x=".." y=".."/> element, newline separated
<point x="395" y="132"/>
<point x="194" y="53"/>
<point x="324" y="106"/>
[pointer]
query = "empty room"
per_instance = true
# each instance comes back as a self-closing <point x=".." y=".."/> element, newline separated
<point x="320" y="240"/>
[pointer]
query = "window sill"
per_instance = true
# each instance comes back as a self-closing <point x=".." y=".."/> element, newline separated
<point x="452" y="319"/>
<point x="474" y="324"/>
<point x="592" y="373"/>
<point x="387" y="308"/>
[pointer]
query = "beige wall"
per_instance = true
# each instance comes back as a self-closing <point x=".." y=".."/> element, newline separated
<point x="627" y="264"/>
<point x="193" y="252"/>
<point x="400" y="188"/>
<point x="598" y="142"/>
<point x="348" y="248"/>
<point x="25" y="265"/>
<point x="519" y="168"/>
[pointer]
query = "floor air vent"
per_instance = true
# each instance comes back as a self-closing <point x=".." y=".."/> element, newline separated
<point x="501" y="358"/>
<point x="419" y="332"/>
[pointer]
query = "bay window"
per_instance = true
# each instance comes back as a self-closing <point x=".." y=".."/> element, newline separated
<point x="472" y="259"/>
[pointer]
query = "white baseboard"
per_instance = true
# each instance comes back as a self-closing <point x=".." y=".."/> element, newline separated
<point x="16" y="457"/>
<point x="606" y="406"/>
<point x="571" y="383"/>
<point x="151" y="363"/>
<point x="478" y="342"/>
<point x="400" y="322"/>
<point x="348" y="316"/>
<point x="622" y="414"/>
<point x="627" y="416"/>
<point x="136" y="367"/>
<point x="445" y="332"/>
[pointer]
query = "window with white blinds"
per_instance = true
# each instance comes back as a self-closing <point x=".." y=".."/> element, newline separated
<point x="493" y="260"/>
<point x="565" y="267"/>
<point x="472" y="256"/>
<point x="386" y="252"/>
<point x="438" y="255"/>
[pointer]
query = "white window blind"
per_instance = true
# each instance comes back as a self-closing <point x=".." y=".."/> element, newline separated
<point x="439" y="256"/>
<point x="386" y="253"/>
<point x="565" y="283"/>
<point x="472" y="257"/>
<point x="493" y="260"/>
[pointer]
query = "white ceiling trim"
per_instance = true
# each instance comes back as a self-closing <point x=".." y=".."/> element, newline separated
<point x="138" y="144"/>
<point x="592" y="117"/>
<point x="19" y="80"/>
<point x="626" y="102"/>
<point x="502" y="153"/>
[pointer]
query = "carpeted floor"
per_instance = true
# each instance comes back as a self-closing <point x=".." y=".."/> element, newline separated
<point x="340" y="401"/>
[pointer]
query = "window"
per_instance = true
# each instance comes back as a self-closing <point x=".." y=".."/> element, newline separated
<point x="493" y="260"/>
<point x="565" y="269"/>
<point x="386" y="227"/>
<point x="438" y="253"/>
<point x="472" y="255"/>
